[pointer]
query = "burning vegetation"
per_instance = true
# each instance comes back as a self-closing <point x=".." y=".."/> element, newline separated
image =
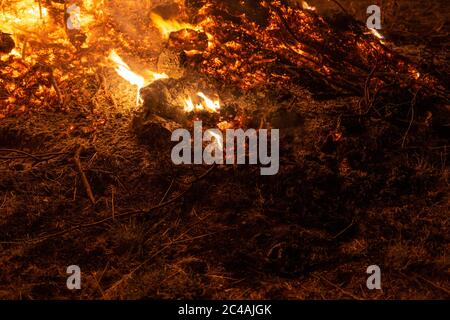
<point x="91" y="90"/>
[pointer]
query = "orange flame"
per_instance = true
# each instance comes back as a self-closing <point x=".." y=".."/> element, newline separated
<point x="26" y="14"/>
<point x="166" y="27"/>
<point x="206" y="104"/>
<point x="306" y="6"/>
<point x="126" y="73"/>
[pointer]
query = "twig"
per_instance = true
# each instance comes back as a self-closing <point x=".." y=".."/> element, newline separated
<point x="368" y="100"/>
<point x="338" y="287"/>
<point x="413" y="104"/>
<point x="20" y="152"/>
<point x="132" y="272"/>
<point x="56" y="87"/>
<point x="109" y="291"/>
<point x="341" y="6"/>
<point x="433" y="284"/>
<point x="85" y="181"/>
<point x="167" y="192"/>
<point x="112" y="202"/>
<point x="117" y="217"/>
<point x="24" y="48"/>
<point x="4" y="201"/>
<point x="344" y="230"/>
<point x="40" y="9"/>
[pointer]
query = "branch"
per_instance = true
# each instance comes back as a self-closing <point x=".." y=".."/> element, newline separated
<point x="85" y="181"/>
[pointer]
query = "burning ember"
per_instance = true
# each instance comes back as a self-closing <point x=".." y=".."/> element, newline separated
<point x="252" y="45"/>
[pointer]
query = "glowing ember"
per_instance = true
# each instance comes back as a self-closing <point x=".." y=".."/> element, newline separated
<point x="206" y="104"/>
<point x="166" y="27"/>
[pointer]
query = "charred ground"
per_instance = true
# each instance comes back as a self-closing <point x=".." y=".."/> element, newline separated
<point x="353" y="190"/>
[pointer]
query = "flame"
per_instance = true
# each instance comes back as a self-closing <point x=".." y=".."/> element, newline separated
<point x="306" y="6"/>
<point x="212" y="105"/>
<point x="125" y="72"/>
<point x="26" y="14"/>
<point x="377" y="34"/>
<point x="166" y="27"/>
<point x="156" y="76"/>
<point x="189" y="105"/>
<point x="206" y="104"/>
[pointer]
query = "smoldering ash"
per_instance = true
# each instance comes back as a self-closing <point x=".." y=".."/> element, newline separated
<point x="228" y="147"/>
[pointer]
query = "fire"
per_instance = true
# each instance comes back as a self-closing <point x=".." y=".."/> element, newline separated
<point x="166" y="27"/>
<point x="156" y="76"/>
<point x="27" y="14"/>
<point x="189" y="105"/>
<point x="306" y="6"/>
<point x="206" y="104"/>
<point x="377" y="34"/>
<point x="212" y="105"/>
<point x="133" y="78"/>
<point x="125" y="72"/>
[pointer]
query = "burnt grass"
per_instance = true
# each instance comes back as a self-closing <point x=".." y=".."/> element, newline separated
<point x="353" y="190"/>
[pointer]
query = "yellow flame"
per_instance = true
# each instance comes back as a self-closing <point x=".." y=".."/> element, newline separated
<point x="25" y="14"/>
<point x="211" y="105"/>
<point x="166" y="27"/>
<point x="156" y="76"/>
<point x="189" y="105"/>
<point x="206" y="103"/>
<point x="125" y="72"/>
<point x="306" y="6"/>
<point x="376" y="33"/>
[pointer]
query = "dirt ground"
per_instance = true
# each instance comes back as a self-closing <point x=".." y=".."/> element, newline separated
<point x="353" y="191"/>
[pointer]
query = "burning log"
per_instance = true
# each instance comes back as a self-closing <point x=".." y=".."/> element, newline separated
<point x="6" y="43"/>
<point x="159" y="99"/>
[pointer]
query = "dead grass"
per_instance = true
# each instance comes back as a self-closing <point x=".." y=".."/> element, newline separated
<point x="308" y="233"/>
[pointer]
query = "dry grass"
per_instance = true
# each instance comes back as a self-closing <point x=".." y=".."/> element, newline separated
<point x="308" y="233"/>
